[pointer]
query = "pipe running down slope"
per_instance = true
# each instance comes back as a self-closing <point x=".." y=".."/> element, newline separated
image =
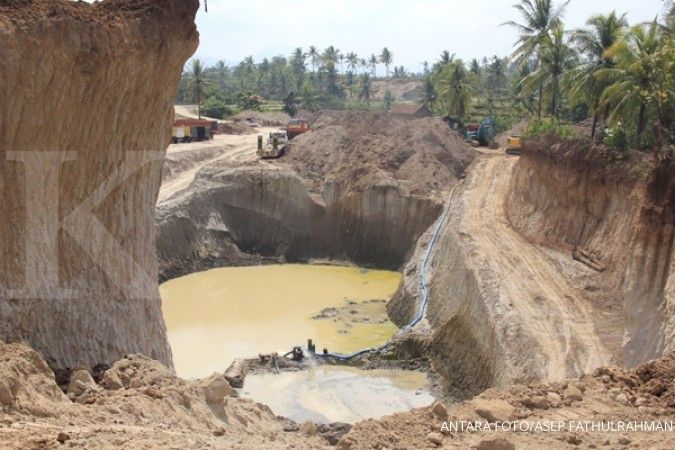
<point x="422" y="307"/>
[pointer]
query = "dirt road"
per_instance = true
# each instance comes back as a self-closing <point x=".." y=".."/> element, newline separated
<point x="556" y="314"/>
<point x="188" y="159"/>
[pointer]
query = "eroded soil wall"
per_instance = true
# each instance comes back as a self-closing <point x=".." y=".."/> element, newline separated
<point x="620" y="209"/>
<point x="78" y="278"/>
<point x="236" y="216"/>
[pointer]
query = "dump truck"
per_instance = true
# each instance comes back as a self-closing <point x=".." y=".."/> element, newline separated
<point x="275" y="146"/>
<point x="296" y="127"/>
<point x="192" y="130"/>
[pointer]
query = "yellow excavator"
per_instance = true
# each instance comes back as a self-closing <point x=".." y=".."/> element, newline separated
<point x="514" y="144"/>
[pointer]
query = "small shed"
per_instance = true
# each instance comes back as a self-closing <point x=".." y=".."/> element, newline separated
<point x="411" y="111"/>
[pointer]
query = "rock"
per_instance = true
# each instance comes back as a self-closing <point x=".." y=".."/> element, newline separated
<point x="553" y="398"/>
<point x="216" y="388"/>
<point x="111" y="380"/>
<point x="153" y="393"/>
<point x="537" y="402"/>
<point x="6" y="397"/>
<point x="640" y="401"/>
<point x="622" y="398"/>
<point x="308" y="428"/>
<point x="572" y="439"/>
<point x="63" y="437"/>
<point x="623" y="440"/>
<point x="435" y="438"/>
<point x="495" y="444"/>
<point x="494" y="410"/>
<point x="80" y="381"/>
<point x="346" y="443"/>
<point x="573" y="393"/>
<point x="220" y="431"/>
<point x="135" y="383"/>
<point x="440" y="411"/>
<point x="656" y="387"/>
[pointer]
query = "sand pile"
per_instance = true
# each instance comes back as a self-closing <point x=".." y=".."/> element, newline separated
<point x="363" y="149"/>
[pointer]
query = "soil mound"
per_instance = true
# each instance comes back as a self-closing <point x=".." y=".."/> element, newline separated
<point x="363" y="149"/>
<point x="266" y="119"/>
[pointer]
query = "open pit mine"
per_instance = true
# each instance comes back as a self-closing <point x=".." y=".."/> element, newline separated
<point x="162" y="295"/>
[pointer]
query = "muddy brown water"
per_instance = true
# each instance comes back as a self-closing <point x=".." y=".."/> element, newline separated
<point x="339" y="394"/>
<point x="215" y="316"/>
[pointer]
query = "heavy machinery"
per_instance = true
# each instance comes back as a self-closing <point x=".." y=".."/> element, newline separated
<point x="296" y="127"/>
<point x="482" y="134"/>
<point x="275" y="146"/>
<point x="514" y="144"/>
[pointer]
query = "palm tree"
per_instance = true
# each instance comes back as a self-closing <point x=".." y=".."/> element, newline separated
<point x="365" y="93"/>
<point x="363" y="64"/>
<point x="539" y="17"/>
<point x="373" y="64"/>
<point x="386" y="58"/>
<point x="221" y="70"/>
<point x="428" y="93"/>
<point x="197" y="83"/>
<point x="313" y="57"/>
<point x="331" y="54"/>
<point x="309" y="99"/>
<point x="601" y="34"/>
<point x="640" y="84"/>
<point x="474" y="67"/>
<point x="556" y="58"/>
<point x="455" y="88"/>
<point x="352" y="61"/>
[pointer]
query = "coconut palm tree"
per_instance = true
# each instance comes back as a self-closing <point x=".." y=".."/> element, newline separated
<point x="372" y="62"/>
<point x="640" y="85"/>
<point x="309" y="98"/>
<point x="455" y="88"/>
<point x="313" y="57"/>
<point x="538" y="18"/>
<point x="197" y="83"/>
<point x="386" y="58"/>
<point x="352" y="61"/>
<point x="365" y="93"/>
<point x="556" y="57"/>
<point x="601" y="33"/>
<point x="428" y="93"/>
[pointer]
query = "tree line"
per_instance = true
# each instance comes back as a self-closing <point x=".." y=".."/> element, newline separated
<point x="618" y="75"/>
<point x="610" y="71"/>
<point x="307" y="79"/>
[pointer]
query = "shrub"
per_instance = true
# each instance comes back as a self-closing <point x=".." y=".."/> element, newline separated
<point x="548" y="126"/>
<point x="217" y="108"/>
<point x="624" y="137"/>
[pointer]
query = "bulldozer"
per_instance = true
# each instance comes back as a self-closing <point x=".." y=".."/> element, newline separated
<point x="275" y="146"/>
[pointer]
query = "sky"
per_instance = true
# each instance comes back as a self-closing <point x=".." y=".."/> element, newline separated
<point x="414" y="30"/>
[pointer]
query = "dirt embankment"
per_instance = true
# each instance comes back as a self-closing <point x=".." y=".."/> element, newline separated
<point x="77" y="229"/>
<point x="138" y="403"/>
<point x="510" y="298"/>
<point x="620" y="210"/>
<point x="360" y="187"/>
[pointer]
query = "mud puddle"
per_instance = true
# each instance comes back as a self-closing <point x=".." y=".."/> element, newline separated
<point x="215" y="316"/>
<point x="338" y="394"/>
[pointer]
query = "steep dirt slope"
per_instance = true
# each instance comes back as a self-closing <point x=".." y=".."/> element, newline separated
<point x="77" y="231"/>
<point x="618" y="208"/>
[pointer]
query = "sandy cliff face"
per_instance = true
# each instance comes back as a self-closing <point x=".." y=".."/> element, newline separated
<point x="621" y="211"/>
<point x="78" y="278"/>
<point x="231" y="215"/>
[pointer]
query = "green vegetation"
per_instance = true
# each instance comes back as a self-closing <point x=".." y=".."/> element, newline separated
<point x="548" y="126"/>
<point x="619" y="77"/>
